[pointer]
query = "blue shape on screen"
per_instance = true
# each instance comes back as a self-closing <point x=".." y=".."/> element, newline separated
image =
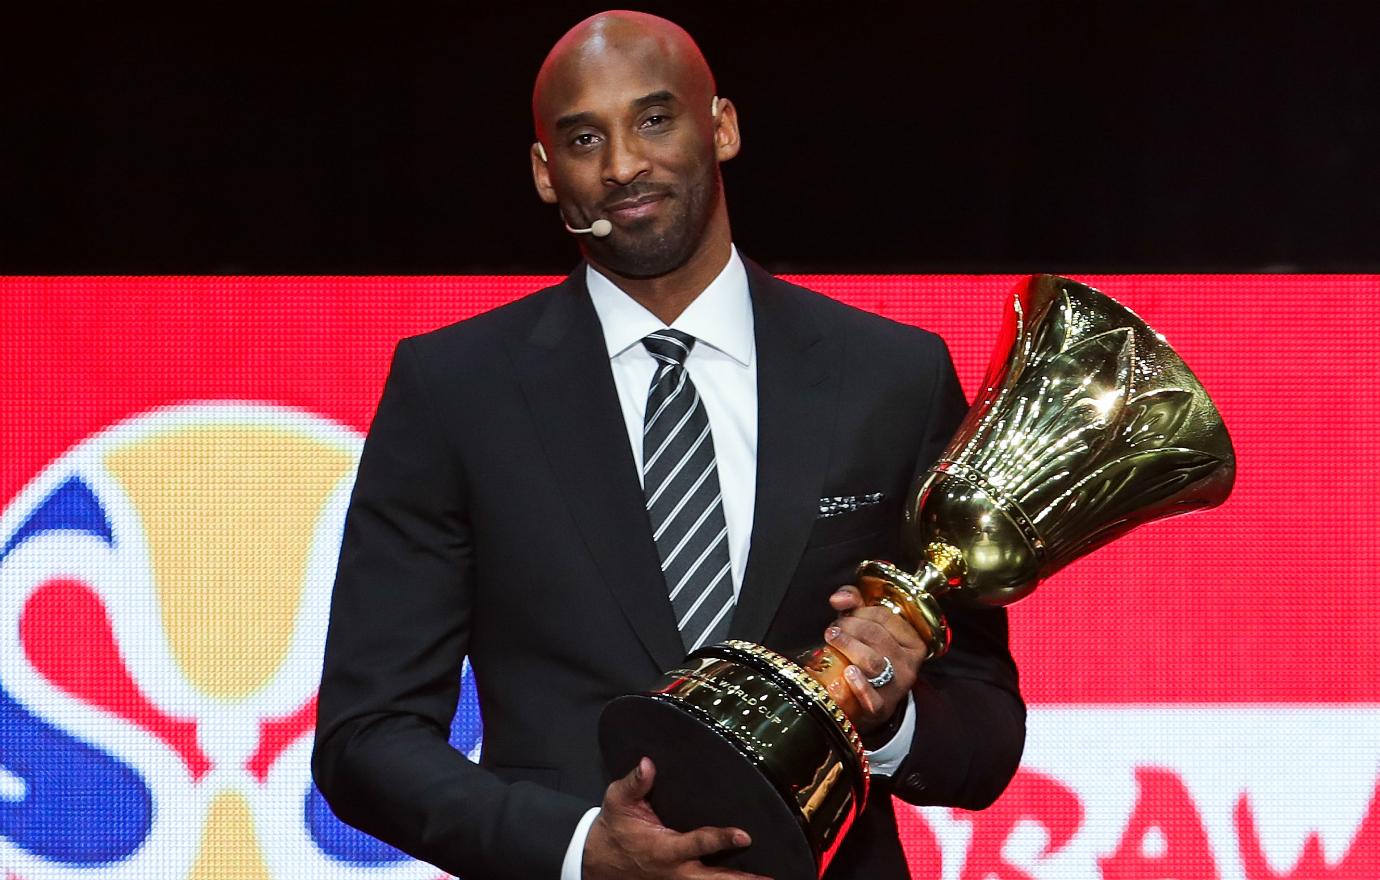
<point x="352" y="846"/>
<point x="71" y="507"/>
<point x="80" y="806"/>
<point x="343" y="842"/>
<point x="466" y="728"/>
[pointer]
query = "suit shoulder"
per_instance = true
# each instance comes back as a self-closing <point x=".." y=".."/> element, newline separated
<point x="479" y="335"/>
<point x="863" y="325"/>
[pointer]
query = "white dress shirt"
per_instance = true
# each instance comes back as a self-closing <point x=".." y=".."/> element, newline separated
<point x="723" y="366"/>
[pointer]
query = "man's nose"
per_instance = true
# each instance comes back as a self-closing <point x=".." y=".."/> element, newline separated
<point x="625" y="160"/>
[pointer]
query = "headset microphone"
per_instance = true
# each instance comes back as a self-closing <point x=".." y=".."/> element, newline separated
<point x="599" y="228"/>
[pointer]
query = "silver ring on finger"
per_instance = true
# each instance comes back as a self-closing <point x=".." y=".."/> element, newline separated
<point x="886" y="675"/>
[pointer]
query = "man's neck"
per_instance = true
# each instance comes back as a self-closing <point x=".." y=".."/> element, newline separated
<point x="666" y="296"/>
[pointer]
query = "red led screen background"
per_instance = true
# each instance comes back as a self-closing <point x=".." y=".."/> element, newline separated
<point x="1205" y="694"/>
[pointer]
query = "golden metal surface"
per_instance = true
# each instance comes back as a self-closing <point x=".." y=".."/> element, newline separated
<point x="786" y="724"/>
<point x="1087" y="425"/>
<point x="799" y="677"/>
<point x="913" y="596"/>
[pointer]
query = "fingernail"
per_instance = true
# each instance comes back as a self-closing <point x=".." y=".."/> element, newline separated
<point x="740" y="838"/>
<point x="641" y="769"/>
<point x="854" y="673"/>
<point x="831" y="633"/>
<point x="840" y="594"/>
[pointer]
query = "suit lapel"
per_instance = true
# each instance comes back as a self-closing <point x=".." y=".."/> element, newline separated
<point x="564" y="370"/>
<point x="796" y="390"/>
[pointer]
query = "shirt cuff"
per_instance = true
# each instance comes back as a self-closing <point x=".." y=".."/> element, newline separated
<point x="885" y="760"/>
<point x="573" y="863"/>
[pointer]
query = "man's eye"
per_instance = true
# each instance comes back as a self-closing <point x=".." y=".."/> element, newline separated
<point x="585" y="140"/>
<point x="655" y="121"/>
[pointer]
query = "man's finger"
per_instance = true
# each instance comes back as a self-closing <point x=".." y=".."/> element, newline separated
<point x="858" y="652"/>
<point x="895" y="624"/>
<point x="865" y="642"/>
<point x="633" y="787"/>
<point x="846" y="599"/>
<point x="706" y="841"/>
<point x="867" y="695"/>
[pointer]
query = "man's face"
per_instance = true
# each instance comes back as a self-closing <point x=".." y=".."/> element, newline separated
<point x="629" y="138"/>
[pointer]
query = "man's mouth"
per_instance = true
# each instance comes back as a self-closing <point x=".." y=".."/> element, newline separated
<point x="625" y="210"/>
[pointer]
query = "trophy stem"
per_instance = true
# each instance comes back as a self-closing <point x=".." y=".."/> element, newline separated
<point x="913" y="597"/>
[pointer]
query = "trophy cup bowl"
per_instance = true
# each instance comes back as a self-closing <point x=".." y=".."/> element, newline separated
<point x="1086" y="426"/>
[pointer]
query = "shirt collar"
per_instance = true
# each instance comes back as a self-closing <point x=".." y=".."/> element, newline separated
<point x="720" y="317"/>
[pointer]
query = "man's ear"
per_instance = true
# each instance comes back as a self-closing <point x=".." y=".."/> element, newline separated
<point x="726" y="139"/>
<point x="541" y="174"/>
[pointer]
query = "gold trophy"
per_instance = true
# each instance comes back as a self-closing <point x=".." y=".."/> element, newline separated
<point x="1087" y="425"/>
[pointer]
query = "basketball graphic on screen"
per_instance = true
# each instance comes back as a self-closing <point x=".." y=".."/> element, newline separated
<point x="165" y="593"/>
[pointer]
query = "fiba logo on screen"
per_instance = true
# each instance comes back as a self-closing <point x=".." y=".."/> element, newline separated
<point x="164" y="591"/>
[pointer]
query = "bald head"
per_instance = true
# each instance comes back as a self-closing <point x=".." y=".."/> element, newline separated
<point x="626" y="136"/>
<point x="636" y="41"/>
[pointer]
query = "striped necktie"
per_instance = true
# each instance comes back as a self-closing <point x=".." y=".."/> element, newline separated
<point x="681" y="482"/>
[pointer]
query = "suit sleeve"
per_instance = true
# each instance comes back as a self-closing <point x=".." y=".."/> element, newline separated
<point x="970" y="718"/>
<point x="399" y="630"/>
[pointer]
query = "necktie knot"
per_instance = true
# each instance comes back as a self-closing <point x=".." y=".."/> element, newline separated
<point x="669" y="346"/>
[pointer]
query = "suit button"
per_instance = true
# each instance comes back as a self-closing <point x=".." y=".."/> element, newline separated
<point x="915" y="781"/>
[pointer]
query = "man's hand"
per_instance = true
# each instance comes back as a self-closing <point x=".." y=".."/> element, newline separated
<point x="869" y="635"/>
<point x="627" y="840"/>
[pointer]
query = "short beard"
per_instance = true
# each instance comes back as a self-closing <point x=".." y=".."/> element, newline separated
<point x="633" y="256"/>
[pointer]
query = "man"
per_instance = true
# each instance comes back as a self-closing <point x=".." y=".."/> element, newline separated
<point x="524" y="500"/>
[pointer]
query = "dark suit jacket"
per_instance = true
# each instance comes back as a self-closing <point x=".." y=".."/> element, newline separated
<point x="498" y="515"/>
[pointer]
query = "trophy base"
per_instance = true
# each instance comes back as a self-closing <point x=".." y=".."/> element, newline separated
<point x="703" y="778"/>
<point x="743" y="737"/>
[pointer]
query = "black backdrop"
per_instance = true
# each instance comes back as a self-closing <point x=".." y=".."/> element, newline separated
<point x="391" y="138"/>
